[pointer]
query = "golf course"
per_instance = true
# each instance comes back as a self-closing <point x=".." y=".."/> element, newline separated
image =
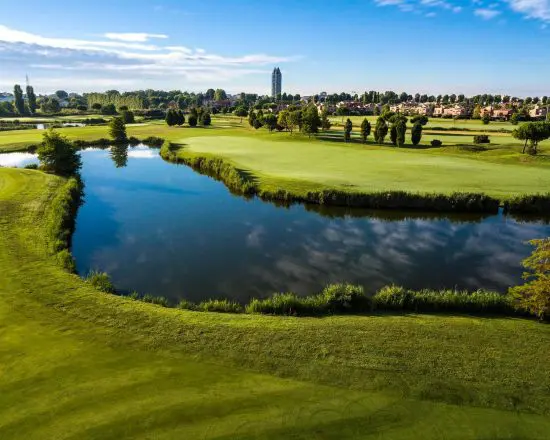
<point x="77" y="363"/>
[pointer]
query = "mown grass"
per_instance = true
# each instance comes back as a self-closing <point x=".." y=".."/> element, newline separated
<point x="79" y="363"/>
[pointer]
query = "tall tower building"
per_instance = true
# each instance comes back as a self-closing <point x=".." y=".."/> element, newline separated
<point x="276" y="82"/>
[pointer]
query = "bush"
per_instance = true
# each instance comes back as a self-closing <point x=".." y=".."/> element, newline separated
<point x="529" y="204"/>
<point x="481" y="139"/>
<point x="436" y="143"/>
<point x="133" y="141"/>
<point x="158" y="300"/>
<point x="278" y="304"/>
<point x="31" y="166"/>
<point x="192" y="120"/>
<point x="57" y="155"/>
<point x="219" y="305"/>
<point x="480" y="301"/>
<point x="186" y="305"/>
<point x="153" y="141"/>
<point x="101" y="281"/>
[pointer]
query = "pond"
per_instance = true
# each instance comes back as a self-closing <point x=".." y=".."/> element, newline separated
<point x="164" y="229"/>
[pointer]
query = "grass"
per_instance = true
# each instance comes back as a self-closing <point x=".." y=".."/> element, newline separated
<point x="76" y="363"/>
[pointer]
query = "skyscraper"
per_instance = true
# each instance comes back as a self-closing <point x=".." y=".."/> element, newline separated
<point x="276" y="82"/>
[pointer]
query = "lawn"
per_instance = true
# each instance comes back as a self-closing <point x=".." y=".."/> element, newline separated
<point x="300" y="166"/>
<point x="79" y="364"/>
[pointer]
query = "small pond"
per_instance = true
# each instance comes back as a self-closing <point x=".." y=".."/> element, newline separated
<point x="164" y="229"/>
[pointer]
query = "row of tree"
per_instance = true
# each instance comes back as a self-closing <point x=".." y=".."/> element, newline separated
<point x="197" y="116"/>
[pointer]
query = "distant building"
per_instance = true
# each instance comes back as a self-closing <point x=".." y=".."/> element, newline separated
<point x="276" y="82"/>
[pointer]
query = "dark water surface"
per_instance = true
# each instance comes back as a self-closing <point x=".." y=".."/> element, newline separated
<point x="163" y="229"/>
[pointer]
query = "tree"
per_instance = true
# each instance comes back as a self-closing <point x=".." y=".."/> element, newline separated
<point x="380" y="130"/>
<point x="257" y="124"/>
<point x="108" y="109"/>
<point x="241" y="112"/>
<point x="421" y="119"/>
<point x="180" y="118"/>
<point x="486" y="118"/>
<point x="310" y="120"/>
<point x="96" y="106"/>
<point x="31" y="99"/>
<point x="342" y="111"/>
<point x="416" y="133"/>
<point x="295" y="120"/>
<point x="57" y="155"/>
<point x="401" y="129"/>
<point x="251" y="117"/>
<point x="128" y="117"/>
<point x="19" y="102"/>
<point x="325" y="121"/>
<point x="393" y="134"/>
<point x="62" y="94"/>
<point x="220" y="95"/>
<point x="50" y="105"/>
<point x="534" y="296"/>
<point x="205" y="120"/>
<point x="209" y="95"/>
<point x="365" y="130"/>
<point x="171" y="118"/>
<point x="532" y="132"/>
<point x="270" y="121"/>
<point x="117" y="130"/>
<point x="192" y="120"/>
<point x="477" y="112"/>
<point x="348" y="127"/>
<point x="283" y="119"/>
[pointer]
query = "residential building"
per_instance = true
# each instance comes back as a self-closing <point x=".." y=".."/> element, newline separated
<point x="538" y="112"/>
<point x="276" y="82"/>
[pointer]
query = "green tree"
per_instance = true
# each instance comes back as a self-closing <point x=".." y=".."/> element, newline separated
<point x="365" y="130"/>
<point x="96" y="106"/>
<point x="348" y="127"/>
<point x="192" y="120"/>
<point x="416" y="133"/>
<point x="270" y="121"/>
<point x="532" y="132"/>
<point x="401" y="129"/>
<point x="325" y="121"/>
<point x="251" y="117"/>
<point x="117" y="130"/>
<point x="257" y="124"/>
<point x="127" y="116"/>
<point x="342" y="111"/>
<point x="241" y="112"/>
<point x="57" y="155"/>
<point x="311" y="120"/>
<point x="50" y="105"/>
<point x="477" y="112"/>
<point x="534" y="296"/>
<point x="486" y="118"/>
<point x="108" y="109"/>
<point x="31" y="99"/>
<point x="180" y="118"/>
<point x="393" y="134"/>
<point x="61" y="94"/>
<point x="19" y="102"/>
<point x="220" y="95"/>
<point x="380" y="130"/>
<point x="421" y="119"/>
<point x="205" y="120"/>
<point x="283" y="119"/>
<point x="171" y="118"/>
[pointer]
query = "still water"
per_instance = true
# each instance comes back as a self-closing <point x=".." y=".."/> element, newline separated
<point x="164" y="229"/>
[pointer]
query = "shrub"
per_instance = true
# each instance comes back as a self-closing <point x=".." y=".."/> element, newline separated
<point x="219" y="305"/>
<point x="133" y="140"/>
<point x="65" y="259"/>
<point x="481" y="139"/>
<point x="278" y="304"/>
<point x="101" y="281"/>
<point x="436" y="143"/>
<point x="31" y="166"/>
<point x="186" y="305"/>
<point x="192" y="120"/>
<point x="158" y="300"/>
<point x="153" y="141"/>
<point x="57" y="155"/>
<point x="344" y="298"/>
<point x="529" y="204"/>
<point x="480" y="301"/>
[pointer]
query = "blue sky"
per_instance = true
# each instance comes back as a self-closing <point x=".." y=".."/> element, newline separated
<point x="435" y="46"/>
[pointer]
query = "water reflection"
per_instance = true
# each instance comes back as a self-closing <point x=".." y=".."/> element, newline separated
<point x="163" y="229"/>
<point x="119" y="155"/>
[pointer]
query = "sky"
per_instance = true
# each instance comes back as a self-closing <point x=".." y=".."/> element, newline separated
<point x="424" y="46"/>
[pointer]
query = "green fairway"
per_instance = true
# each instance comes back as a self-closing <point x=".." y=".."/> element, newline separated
<point x="300" y="166"/>
<point x="79" y="364"/>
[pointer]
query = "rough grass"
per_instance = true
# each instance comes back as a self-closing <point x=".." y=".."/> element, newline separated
<point x="78" y="363"/>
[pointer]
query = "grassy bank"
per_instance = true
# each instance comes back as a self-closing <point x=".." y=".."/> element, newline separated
<point x="76" y="363"/>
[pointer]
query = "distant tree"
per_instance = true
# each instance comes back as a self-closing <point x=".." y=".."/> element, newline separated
<point x="401" y="129"/>
<point x="257" y="124"/>
<point x="57" y="155"/>
<point x="365" y="130"/>
<point x="241" y="112"/>
<point x="380" y="130"/>
<point x="209" y="95"/>
<point x="220" y="95"/>
<point x="96" y="106"/>
<point x="325" y="121"/>
<point x="270" y="121"/>
<point x="50" y="105"/>
<point x="348" y="127"/>
<point x="19" y="102"/>
<point x="283" y="119"/>
<point x="31" y="99"/>
<point x="171" y="118"/>
<point x="192" y="120"/>
<point x="180" y="118"/>
<point x="534" y="296"/>
<point x="310" y="120"/>
<point x="251" y="117"/>
<point x="127" y="116"/>
<point x="123" y="108"/>
<point x="117" y="130"/>
<point x="421" y="119"/>
<point x="108" y="109"/>
<point x="416" y="133"/>
<point x="486" y="118"/>
<point x="62" y="94"/>
<point x="532" y="132"/>
<point x="342" y="111"/>
<point x="477" y="112"/>
<point x="514" y="119"/>
<point x="205" y="120"/>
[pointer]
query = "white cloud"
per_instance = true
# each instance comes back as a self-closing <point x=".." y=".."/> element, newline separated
<point x="134" y="37"/>
<point x="486" y="14"/>
<point x="537" y="9"/>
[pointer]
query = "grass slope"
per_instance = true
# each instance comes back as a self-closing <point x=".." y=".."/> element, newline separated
<point x="78" y="364"/>
<point x="301" y="166"/>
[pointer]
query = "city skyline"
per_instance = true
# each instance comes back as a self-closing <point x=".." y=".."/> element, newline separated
<point x="456" y="46"/>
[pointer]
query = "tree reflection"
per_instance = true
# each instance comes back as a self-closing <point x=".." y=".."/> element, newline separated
<point x="119" y="155"/>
